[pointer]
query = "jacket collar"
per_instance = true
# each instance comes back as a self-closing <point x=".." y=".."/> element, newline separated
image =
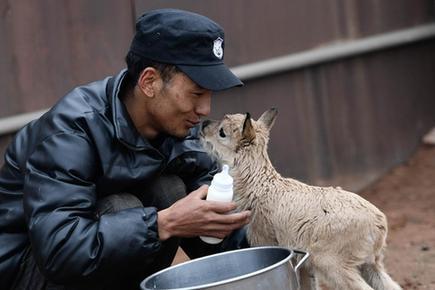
<point x="125" y="131"/>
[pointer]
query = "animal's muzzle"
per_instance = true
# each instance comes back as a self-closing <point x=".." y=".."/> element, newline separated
<point x="204" y="124"/>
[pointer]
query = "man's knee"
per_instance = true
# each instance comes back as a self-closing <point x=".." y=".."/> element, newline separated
<point x="166" y="190"/>
<point x="117" y="202"/>
<point x="160" y="193"/>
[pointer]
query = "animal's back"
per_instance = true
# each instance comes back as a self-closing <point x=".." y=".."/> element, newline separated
<point x="302" y="213"/>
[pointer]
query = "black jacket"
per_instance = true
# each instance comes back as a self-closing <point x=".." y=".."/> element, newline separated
<point x="56" y="168"/>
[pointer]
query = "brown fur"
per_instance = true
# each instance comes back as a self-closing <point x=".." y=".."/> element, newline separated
<point x="344" y="233"/>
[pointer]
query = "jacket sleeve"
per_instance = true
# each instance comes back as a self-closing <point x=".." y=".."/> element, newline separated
<point x="195" y="247"/>
<point x="68" y="240"/>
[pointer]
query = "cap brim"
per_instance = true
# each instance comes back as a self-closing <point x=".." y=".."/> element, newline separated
<point x="214" y="77"/>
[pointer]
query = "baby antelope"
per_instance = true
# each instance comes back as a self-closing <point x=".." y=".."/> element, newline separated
<point x="344" y="233"/>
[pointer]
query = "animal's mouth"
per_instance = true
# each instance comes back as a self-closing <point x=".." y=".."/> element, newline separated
<point x="208" y="147"/>
<point x="205" y="143"/>
<point x="201" y="134"/>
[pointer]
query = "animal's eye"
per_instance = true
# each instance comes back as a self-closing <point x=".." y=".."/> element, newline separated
<point x="222" y="133"/>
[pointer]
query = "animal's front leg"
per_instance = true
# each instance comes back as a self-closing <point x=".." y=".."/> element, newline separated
<point x="307" y="279"/>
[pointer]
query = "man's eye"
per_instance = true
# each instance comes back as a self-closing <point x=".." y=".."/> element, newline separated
<point x="198" y="93"/>
<point x="222" y="133"/>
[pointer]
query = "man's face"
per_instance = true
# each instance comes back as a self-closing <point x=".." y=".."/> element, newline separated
<point x="178" y="106"/>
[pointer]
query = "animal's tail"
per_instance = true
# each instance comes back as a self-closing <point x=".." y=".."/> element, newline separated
<point x="375" y="276"/>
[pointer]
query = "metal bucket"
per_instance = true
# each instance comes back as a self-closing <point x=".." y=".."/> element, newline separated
<point x="250" y="269"/>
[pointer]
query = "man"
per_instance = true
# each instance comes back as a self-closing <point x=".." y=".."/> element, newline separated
<point x="88" y="193"/>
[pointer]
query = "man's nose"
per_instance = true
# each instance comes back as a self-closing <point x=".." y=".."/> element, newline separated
<point x="204" y="104"/>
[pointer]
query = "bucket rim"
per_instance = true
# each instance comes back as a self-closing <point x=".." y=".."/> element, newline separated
<point x="291" y="254"/>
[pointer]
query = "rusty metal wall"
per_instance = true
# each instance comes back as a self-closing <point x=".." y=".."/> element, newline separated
<point x="344" y="122"/>
<point x="48" y="47"/>
<point x="258" y="29"/>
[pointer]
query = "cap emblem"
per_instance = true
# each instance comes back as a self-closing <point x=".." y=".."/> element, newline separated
<point x="217" y="48"/>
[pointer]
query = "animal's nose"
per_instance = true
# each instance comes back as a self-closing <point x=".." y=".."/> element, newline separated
<point x="205" y="123"/>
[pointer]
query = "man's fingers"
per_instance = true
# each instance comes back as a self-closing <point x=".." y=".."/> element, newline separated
<point x="200" y="193"/>
<point x="221" y="207"/>
<point x="238" y="219"/>
<point x="227" y="224"/>
<point x="216" y="206"/>
<point x="197" y="216"/>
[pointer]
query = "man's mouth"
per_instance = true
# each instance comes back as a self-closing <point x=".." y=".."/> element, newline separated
<point x="191" y="123"/>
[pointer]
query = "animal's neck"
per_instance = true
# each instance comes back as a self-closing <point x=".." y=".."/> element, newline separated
<point x="252" y="173"/>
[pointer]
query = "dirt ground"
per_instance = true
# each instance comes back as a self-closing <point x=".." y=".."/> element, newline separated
<point x="407" y="196"/>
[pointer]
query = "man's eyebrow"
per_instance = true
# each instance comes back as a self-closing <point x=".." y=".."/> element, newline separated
<point x="196" y="87"/>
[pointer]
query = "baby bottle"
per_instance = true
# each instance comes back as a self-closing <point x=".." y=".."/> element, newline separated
<point x="220" y="189"/>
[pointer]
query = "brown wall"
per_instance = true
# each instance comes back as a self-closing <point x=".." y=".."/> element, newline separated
<point x="348" y="121"/>
<point x="344" y="122"/>
<point x="48" y="47"/>
<point x="258" y="29"/>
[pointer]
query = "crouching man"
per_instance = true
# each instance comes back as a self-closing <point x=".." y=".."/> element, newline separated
<point x="102" y="189"/>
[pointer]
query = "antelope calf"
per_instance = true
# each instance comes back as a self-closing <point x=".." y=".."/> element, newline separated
<point x="344" y="233"/>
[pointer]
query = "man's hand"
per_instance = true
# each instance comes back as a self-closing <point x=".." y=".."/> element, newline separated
<point x="193" y="216"/>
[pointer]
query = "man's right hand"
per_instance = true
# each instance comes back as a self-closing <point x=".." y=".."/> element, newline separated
<point x="194" y="216"/>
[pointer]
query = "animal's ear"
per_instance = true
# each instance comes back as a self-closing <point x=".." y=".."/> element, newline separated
<point x="268" y="118"/>
<point x="248" y="132"/>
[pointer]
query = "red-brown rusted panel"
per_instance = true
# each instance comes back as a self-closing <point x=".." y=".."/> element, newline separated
<point x="258" y="29"/>
<point x="344" y="122"/>
<point x="51" y="46"/>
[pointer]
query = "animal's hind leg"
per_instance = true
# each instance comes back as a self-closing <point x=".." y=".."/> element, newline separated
<point x="339" y="276"/>
<point x="376" y="276"/>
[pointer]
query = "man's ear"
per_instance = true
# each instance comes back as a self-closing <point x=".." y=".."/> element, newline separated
<point x="248" y="132"/>
<point x="148" y="81"/>
<point x="268" y="118"/>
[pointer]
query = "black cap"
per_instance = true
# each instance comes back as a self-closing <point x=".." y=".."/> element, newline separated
<point x="192" y="42"/>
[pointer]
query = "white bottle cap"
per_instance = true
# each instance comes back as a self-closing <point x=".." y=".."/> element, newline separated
<point x="222" y="180"/>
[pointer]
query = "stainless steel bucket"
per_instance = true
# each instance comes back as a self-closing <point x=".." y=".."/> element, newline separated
<point x="245" y="269"/>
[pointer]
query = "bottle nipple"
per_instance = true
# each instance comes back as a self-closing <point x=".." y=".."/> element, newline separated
<point x="223" y="179"/>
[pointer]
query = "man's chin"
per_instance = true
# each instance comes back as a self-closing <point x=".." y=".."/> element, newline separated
<point x="180" y="133"/>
